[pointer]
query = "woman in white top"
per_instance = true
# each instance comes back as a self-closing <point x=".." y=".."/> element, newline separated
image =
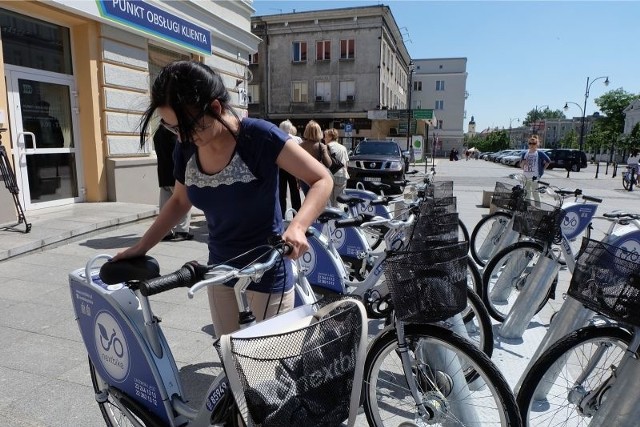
<point x="341" y="176"/>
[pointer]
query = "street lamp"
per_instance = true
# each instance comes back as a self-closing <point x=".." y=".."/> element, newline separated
<point x="584" y="109"/>
<point x="411" y="68"/>
<point x="566" y="108"/>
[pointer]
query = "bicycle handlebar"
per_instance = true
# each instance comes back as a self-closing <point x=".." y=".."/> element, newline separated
<point x="186" y="276"/>
<point x="223" y="273"/>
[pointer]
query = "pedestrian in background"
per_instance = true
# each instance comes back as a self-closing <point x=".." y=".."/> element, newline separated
<point x="342" y="175"/>
<point x="313" y="144"/>
<point x="633" y="161"/>
<point x="288" y="181"/>
<point x="534" y="163"/>
<point x="164" y="143"/>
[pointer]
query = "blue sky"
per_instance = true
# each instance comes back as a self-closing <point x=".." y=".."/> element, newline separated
<point x="520" y="54"/>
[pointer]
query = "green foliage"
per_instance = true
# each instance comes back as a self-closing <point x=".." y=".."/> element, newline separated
<point x="537" y="115"/>
<point x="570" y="140"/>
<point x="493" y="141"/>
<point x="612" y="105"/>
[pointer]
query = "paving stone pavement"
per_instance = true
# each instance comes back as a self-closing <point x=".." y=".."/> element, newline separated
<point x="44" y="379"/>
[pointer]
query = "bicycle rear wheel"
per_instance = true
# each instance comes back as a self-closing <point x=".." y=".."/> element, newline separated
<point x="626" y="182"/>
<point x="119" y="411"/>
<point x="478" y="323"/>
<point x="459" y="384"/>
<point x="550" y="394"/>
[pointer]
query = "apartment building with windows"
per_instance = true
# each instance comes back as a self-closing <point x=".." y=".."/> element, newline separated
<point x="440" y="84"/>
<point x="85" y="69"/>
<point x="334" y="66"/>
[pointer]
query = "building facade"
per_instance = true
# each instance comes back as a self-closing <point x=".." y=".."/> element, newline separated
<point x="334" y="66"/>
<point x="75" y="79"/>
<point x="440" y="84"/>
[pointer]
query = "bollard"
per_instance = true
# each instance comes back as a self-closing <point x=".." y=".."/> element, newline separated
<point x="615" y="170"/>
<point x="597" y="169"/>
<point x="530" y="298"/>
<point x="620" y="407"/>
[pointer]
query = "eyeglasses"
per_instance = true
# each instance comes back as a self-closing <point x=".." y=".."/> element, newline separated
<point x="176" y="129"/>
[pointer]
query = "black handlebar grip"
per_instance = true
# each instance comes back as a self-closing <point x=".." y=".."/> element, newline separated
<point x="546" y="184"/>
<point x="188" y="275"/>
<point x="350" y="222"/>
<point x="380" y="201"/>
<point x="592" y="199"/>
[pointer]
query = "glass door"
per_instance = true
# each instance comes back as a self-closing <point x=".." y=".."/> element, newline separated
<point x="42" y="110"/>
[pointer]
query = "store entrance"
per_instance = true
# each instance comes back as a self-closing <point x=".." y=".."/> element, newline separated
<point x="42" y="110"/>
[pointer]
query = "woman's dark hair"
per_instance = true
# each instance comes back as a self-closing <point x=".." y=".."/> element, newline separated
<point x="188" y="88"/>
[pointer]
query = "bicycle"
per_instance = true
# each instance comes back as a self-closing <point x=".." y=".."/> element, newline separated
<point x="629" y="178"/>
<point x="520" y="279"/>
<point x="591" y="374"/>
<point x="623" y="232"/>
<point x="135" y="377"/>
<point x="326" y="274"/>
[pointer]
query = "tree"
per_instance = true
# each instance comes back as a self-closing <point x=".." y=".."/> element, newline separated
<point x="569" y="140"/>
<point x="536" y="115"/>
<point x="611" y="126"/>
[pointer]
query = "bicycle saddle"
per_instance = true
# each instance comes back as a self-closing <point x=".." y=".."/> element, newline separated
<point x="138" y="268"/>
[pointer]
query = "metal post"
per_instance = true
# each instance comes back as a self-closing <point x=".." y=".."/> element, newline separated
<point x="597" y="168"/>
<point x="409" y="104"/>
<point x="584" y="112"/>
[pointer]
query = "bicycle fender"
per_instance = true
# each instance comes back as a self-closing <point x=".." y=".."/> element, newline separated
<point x="577" y="218"/>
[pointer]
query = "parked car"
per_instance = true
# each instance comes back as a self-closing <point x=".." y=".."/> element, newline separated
<point x="512" y="159"/>
<point x="567" y="158"/>
<point x="377" y="161"/>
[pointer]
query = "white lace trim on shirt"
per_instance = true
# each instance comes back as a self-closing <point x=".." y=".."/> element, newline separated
<point x="235" y="171"/>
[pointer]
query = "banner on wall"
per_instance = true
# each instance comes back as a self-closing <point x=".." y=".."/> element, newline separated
<point x="417" y="142"/>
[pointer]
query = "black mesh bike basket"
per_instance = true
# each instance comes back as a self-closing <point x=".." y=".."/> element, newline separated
<point x="433" y="224"/>
<point x="507" y="196"/>
<point x="422" y="292"/>
<point x="539" y="221"/>
<point x="430" y="231"/>
<point x="606" y="279"/>
<point x="303" y="377"/>
<point x="429" y="205"/>
<point x="440" y="189"/>
<point x="435" y="251"/>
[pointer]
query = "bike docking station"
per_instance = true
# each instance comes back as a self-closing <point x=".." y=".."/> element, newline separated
<point x="530" y="298"/>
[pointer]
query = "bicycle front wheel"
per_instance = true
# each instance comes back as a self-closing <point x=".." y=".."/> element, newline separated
<point x="554" y="391"/>
<point x="485" y="236"/>
<point x="458" y="384"/>
<point x="506" y="274"/>
<point x="626" y="182"/>
<point x="478" y="323"/>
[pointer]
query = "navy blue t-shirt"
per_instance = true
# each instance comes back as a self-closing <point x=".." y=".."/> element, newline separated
<point x="240" y="202"/>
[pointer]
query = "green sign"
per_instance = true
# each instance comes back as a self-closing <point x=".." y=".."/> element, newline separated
<point x="423" y="114"/>
<point x="404" y="114"/>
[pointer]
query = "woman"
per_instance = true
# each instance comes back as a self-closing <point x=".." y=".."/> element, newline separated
<point x="341" y="176"/>
<point x="228" y="168"/>
<point x="312" y="143"/>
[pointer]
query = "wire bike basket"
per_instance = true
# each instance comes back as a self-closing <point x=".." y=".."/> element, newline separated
<point x="440" y="189"/>
<point x="307" y="376"/>
<point x="606" y="280"/>
<point x="442" y="228"/>
<point x="507" y="196"/>
<point x="423" y="291"/>
<point x="539" y="221"/>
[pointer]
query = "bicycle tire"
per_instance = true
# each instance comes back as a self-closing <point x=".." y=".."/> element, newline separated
<point x="462" y="229"/>
<point x="110" y="408"/>
<point x="482" y="230"/>
<point x="489" y="394"/>
<point x="499" y="307"/>
<point x="556" y="400"/>
<point x="575" y="246"/>
<point x="474" y="279"/>
<point x="482" y="327"/>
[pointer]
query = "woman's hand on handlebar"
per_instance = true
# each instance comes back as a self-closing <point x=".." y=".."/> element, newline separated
<point x="295" y="237"/>
<point x="132" y="252"/>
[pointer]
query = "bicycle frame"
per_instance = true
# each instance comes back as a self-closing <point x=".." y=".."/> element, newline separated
<point x="144" y="369"/>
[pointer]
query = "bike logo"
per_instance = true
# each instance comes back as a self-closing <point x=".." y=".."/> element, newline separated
<point x="570" y="223"/>
<point x="111" y="346"/>
<point x="627" y="256"/>
<point x="338" y="236"/>
<point x="308" y="259"/>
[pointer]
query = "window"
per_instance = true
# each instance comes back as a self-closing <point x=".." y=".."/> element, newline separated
<point x="347" y="49"/>
<point x="440" y="124"/>
<point x="299" y="51"/>
<point x="253" y="94"/>
<point x="440" y="105"/>
<point x="323" y="91"/>
<point x="254" y="58"/>
<point x="323" y="50"/>
<point x="417" y="86"/>
<point x="159" y="57"/>
<point x="347" y="90"/>
<point x="299" y="92"/>
<point x="439" y="85"/>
